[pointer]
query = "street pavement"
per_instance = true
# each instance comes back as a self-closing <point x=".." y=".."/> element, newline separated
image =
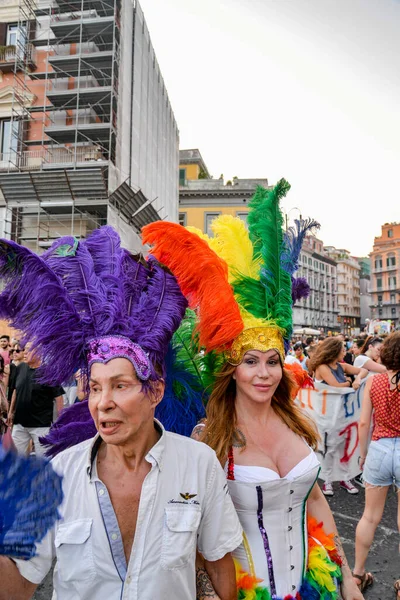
<point x="383" y="560"/>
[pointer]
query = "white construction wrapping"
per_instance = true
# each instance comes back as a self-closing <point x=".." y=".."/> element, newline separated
<point x="336" y="411"/>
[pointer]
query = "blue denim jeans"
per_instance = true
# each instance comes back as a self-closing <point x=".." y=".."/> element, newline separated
<point x="382" y="465"/>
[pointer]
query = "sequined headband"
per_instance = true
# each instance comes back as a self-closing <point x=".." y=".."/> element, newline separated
<point x="256" y="338"/>
<point x="105" y="348"/>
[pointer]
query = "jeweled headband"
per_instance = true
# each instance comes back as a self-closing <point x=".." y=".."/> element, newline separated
<point x="256" y="338"/>
<point x="105" y="348"/>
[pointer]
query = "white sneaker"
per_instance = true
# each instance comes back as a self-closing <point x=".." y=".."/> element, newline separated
<point x="327" y="489"/>
<point x="349" y="487"/>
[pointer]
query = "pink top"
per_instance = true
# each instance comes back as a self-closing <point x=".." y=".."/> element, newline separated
<point x="6" y="356"/>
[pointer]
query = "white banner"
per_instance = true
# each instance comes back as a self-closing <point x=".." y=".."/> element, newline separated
<point x="336" y="411"/>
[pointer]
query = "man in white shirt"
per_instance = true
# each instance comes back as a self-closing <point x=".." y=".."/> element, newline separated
<point x="137" y="503"/>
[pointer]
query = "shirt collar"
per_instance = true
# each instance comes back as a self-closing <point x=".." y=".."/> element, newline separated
<point x="156" y="452"/>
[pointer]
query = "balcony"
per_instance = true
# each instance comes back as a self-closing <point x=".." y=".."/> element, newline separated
<point x="53" y="158"/>
<point x="10" y="54"/>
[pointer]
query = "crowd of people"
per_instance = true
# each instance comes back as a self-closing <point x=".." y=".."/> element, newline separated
<point x="147" y="513"/>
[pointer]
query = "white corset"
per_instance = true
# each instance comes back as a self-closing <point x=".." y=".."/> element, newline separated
<point x="284" y="519"/>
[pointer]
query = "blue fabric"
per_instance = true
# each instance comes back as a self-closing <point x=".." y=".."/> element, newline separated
<point x="382" y="465"/>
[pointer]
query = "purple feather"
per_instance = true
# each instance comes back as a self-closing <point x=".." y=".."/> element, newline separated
<point x="36" y="303"/>
<point x="86" y="290"/>
<point x="74" y="425"/>
<point x="104" y="246"/>
<point x="135" y="273"/>
<point x="292" y="243"/>
<point x="300" y="289"/>
<point x="159" y="312"/>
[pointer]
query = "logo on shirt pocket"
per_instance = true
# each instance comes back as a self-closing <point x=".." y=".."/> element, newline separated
<point x="179" y="535"/>
<point x="74" y="551"/>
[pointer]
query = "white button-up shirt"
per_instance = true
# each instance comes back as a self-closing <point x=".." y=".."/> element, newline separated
<point x="184" y="503"/>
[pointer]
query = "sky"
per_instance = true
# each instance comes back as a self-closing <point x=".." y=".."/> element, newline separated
<point x="308" y="90"/>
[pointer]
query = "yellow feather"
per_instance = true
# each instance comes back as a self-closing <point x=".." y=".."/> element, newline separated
<point x="212" y="242"/>
<point x="321" y="568"/>
<point x="234" y="247"/>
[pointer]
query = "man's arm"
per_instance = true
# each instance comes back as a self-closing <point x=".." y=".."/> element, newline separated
<point x="11" y="410"/>
<point x="223" y="578"/>
<point x="13" y="585"/>
<point x="59" y="404"/>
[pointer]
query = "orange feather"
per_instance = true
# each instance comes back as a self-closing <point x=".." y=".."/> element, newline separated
<point x="203" y="279"/>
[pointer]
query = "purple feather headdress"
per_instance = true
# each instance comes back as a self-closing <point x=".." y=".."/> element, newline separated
<point x="81" y="296"/>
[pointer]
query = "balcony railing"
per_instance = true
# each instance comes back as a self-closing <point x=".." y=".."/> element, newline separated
<point x="35" y="160"/>
<point x="9" y="54"/>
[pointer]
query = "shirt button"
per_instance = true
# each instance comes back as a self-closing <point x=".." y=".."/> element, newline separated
<point x="293" y="587"/>
<point x="114" y="536"/>
<point x="101" y="492"/>
<point x="291" y="567"/>
<point x="290" y="528"/>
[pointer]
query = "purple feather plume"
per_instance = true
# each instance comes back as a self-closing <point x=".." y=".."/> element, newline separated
<point x="36" y="303"/>
<point x="159" y="312"/>
<point x="292" y="243"/>
<point x="86" y="290"/>
<point x="135" y="272"/>
<point x="300" y="289"/>
<point x="74" y="425"/>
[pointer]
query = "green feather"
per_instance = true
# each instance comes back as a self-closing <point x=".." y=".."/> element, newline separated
<point x="203" y="367"/>
<point x="274" y="292"/>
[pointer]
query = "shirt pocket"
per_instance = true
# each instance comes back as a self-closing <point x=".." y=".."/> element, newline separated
<point x="179" y="535"/>
<point x="74" y="550"/>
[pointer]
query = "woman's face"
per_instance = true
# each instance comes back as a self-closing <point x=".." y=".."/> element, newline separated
<point x="258" y="375"/>
<point x="374" y="352"/>
<point x="342" y="353"/>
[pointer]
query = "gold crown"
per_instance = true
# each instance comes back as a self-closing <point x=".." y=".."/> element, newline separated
<point x="256" y="338"/>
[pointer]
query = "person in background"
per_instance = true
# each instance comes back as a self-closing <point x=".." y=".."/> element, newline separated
<point x="356" y="347"/>
<point x="328" y="368"/>
<point x="369" y="356"/>
<point x="32" y="406"/>
<point x="299" y="354"/>
<point x="310" y="352"/>
<point x="16" y="358"/>
<point x="3" y="400"/>
<point x="380" y="461"/>
<point x="4" y="348"/>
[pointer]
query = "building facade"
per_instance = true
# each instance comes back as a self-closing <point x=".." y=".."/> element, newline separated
<point x="365" y="290"/>
<point x="202" y="198"/>
<point x="87" y="131"/>
<point x="385" y="274"/>
<point x="320" y="309"/>
<point x="348" y="290"/>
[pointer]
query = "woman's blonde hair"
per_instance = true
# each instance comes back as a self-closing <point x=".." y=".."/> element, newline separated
<point x="221" y="415"/>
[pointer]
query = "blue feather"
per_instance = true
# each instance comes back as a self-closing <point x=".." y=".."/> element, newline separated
<point x="182" y="406"/>
<point x="30" y="494"/>
<point x="292" y="243"/>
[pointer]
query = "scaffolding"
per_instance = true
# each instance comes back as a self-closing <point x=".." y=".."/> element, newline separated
<point x="68" y="52"/>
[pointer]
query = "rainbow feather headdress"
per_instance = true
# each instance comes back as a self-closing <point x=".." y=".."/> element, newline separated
<point x="240" y="282"/>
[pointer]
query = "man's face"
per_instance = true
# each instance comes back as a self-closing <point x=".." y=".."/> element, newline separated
<point x="3" y="343"/>
<point x="117" y="404"/>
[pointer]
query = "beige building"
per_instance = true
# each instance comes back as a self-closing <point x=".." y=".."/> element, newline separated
<point x="319" y="310"/>
<point x="348" y="289"/>
<point x="385" y="274"/>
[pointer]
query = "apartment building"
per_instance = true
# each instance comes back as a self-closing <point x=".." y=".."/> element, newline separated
<point x="87" y="132"/>
<point x="385" y="274"/>
<point x="202" y="198"/>
<point x="320" y="309"/>
<point x="348" y="289"/>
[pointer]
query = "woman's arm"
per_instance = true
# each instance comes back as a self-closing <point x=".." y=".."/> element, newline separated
<point x="364" y="423"/>
<point x="318" y="508"/>
<point x="323" y="372"/>
<point x="374" y="367"/>
<point x="362" y="373"/>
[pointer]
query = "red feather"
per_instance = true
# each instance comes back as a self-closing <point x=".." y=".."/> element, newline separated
<point x="203" y="279"/>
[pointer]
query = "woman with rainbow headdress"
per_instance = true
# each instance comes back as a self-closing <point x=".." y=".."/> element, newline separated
<point x="241" y="285"/>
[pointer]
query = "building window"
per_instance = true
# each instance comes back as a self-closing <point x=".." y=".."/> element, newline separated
<point x="16" y="36"/>
<point x="392" y="298"/>
<point x="183" y="219"/>
<point x="379" y="298"/>
<point x="243" y="217"/>
<point x="8" y="142"/>
<point x="208" y="219"/>
<point x="380" y="312"/>
<point x="379" y="283"/>
<point x="390" y="233"/>
<point x="392" y="283"/>
<point x="391" y="261"/>
<point x="310" y="262"/>
<point x="378" y="262"/>
<point x="393" y="311"/>
<point x="182" y="176"/>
